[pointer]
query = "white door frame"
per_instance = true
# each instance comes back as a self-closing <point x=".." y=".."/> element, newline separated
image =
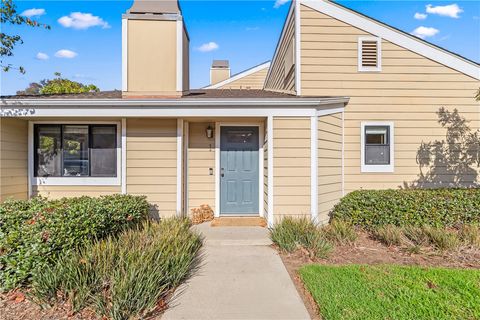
<point x="261" y="134"/>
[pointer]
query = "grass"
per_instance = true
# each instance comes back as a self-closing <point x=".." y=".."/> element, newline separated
<point x="300" y="233"/>
<point x="340" y="232"/>
<point x="389" y="235"/>
<point x="393" y="292"/>
<point x="123" y="277"/>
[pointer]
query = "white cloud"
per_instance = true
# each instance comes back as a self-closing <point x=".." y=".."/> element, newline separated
<point x="207" y="47"/>
<point x="42" y="56"/>
<point x="33" y="12"/>
<point x="425" y="32"/>
<point x="64" y="53"/>
<point x="451" y="10"/>
<point x="79" y="20"/>
<point x="420" y="16"/>
<point x="279" y="3"/>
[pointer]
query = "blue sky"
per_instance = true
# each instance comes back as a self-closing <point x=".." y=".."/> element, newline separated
<point x="87" y="48"/>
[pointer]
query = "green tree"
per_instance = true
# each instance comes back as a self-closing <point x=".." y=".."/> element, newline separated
<point x="57" y="85"/>
<point x="9" y="15"/>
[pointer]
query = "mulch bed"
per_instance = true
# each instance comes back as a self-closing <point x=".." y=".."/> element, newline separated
<point x="371" y="252"/>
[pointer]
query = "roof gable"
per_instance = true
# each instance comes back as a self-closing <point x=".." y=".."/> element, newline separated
<point x="395" y="36"/>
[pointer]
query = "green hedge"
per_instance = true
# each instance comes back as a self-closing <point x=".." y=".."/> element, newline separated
<point x="34" y="232"/>
<point x="434" y="207"/>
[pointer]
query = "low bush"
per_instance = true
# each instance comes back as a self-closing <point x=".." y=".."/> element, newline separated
<point x="435" y="207"/>
<point x="441" y="238"/>
<point x="470" y="235"/>
<point x="35" y="232"/>
<point x="340" y="232"/>
<point x="123" y="277"/>
<point x="295" y="233"/>
<point x="389" y="235"/>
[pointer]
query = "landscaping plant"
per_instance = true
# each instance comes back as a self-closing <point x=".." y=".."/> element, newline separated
<point x="300" y="233"/>
<point x="123" y="277"/>
<point x="34" y="233"/>
<point x="389" y="235"/>
<point x="370" y="209"/>
<point x="340" y="232"/>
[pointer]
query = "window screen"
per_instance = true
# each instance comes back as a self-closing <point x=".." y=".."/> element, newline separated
<point x="377" y="145"/>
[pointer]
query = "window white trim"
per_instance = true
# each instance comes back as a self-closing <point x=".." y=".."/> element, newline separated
<point x="261" y="134"/>
<point x="378" y="168"/>
<point x="378" y="68"/>
<point x="73" y="181"/>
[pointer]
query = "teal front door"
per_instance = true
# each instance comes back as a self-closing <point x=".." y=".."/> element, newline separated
<point x="239" y="170"/>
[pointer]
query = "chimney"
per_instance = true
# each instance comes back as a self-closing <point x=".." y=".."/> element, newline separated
<point x="219" y="71"/>
<point x="155" y="50"/>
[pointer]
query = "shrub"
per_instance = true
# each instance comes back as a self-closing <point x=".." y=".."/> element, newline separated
<point x="123" y="277"/>
<point x="389" y="235"/>
<point x="295" y="233"/>
<point x="34" y="233"/>
<point x="340" y="232"/>
<point x="435" y="207"/>
<point x="470" y="235"/>
<point x="442" y="239"/>
<point x="416" y="235"/>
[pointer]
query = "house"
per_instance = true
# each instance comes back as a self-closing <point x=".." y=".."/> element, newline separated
<point x="345" y="104"/>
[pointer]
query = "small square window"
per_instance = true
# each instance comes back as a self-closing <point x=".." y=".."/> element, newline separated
<point x="377" y="147"/>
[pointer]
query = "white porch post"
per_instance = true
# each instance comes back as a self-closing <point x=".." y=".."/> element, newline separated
<point x="179" y="165"/>
<point x="270" y="171"/>
<point x="314" y="168"/>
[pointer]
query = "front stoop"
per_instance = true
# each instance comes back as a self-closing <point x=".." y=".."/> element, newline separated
<point x="239" y="222"/>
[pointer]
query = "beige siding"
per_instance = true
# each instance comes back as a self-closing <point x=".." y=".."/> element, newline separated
<point x="219" y="74"/>
<point x="152" y="162"/>
<point x="56" y="192"/>
<point x="408" y="91"/>
<point x="186" y="61"/>
<point x="13" y="159"/>
<point x="201" y="157"/>
<point x="329" y="164"/>
<point x="251" y="81"/>
<point x="152" y="57"/>
<point x="291" y="165"/>
<point x="282" y="78"/>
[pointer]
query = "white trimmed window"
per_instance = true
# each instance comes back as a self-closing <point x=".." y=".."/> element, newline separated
<point x="75" y="153"/>
<point x="369" y="54"/>
<point x="377" y="152"/>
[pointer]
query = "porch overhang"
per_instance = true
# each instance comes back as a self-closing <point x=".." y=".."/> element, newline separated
<point x="298" y="106"/>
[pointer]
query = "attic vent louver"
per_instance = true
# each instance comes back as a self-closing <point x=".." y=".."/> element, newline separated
<point x="369" y="54"/>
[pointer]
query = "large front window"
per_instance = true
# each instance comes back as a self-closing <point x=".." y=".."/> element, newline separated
<point x="75" y="150"/>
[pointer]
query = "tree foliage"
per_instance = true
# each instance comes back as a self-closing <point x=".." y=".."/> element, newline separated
<point x="57" y="85"/>
<point x="9" y="15"/>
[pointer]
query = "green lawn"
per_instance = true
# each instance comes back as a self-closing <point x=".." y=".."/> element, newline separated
<point x="393" y="292"/>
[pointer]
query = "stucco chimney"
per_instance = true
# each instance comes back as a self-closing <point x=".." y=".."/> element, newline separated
<point x="219" y="71"/>
<point x="155" y="50"/>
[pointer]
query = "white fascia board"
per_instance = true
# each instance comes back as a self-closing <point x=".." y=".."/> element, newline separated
<point x="399" y="38"/>
<point x="238" y="76"/>
<point x="298" y="48"/>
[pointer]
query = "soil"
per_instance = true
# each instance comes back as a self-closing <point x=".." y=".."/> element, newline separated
<point x="371" y="252"/>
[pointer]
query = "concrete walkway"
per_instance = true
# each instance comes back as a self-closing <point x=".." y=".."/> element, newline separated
<point x="241" y="278"/>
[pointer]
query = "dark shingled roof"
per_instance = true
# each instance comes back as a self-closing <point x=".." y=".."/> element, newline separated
<point x="193" y="94"/>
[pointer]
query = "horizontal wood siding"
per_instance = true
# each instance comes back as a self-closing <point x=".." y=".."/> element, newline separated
<point x="13" y="159"/>
<point x="152" y="162"/>
<point x="252" y="81"/>
<point x="56" y="192"/>
<point x="408" y="91"/>
<point x="278" y="80"/>
<point x="201" y="157"/>
<point x="291" y="163"/>
<point x="329" y="164"/>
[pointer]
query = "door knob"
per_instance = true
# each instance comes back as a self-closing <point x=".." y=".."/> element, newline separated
<point x="222" y="172"/>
